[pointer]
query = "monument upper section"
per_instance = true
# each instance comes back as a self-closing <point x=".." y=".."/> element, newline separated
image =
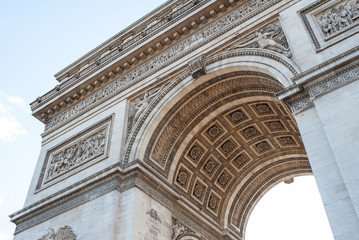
<point x="171" y="20"/>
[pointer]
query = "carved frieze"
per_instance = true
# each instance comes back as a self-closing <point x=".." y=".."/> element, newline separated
<point x="270" y="37"/>
<point x="321" y="85"/>
<point x="214" y="29"/>
<point x="338" y="18"/>
<point x="77" y="153"/>
<point x="329" y="22"/>
<point x="81" y="150"/>
<point x="63" y="233"/>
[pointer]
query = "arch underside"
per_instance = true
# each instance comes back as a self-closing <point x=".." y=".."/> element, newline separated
<point x="225" y="143"/>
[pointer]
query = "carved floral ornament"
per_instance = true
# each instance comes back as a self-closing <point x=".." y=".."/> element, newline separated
<point x="200" y="37"/>
<point x="63" y="233"/>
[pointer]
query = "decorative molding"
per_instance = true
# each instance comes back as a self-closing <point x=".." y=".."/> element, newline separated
<point x="153" y="23"/>
<point x="342" y="77"/>
<point x="299" y="103"/>
<point x="199" y="38"/>
<point x="88" y="146"/>
<point x="103" y="182"/>
<point x="243" y="52"/>
<point x="221" y="87"/>
<point x="321" y="82"/>
<point x="63" y="233"/>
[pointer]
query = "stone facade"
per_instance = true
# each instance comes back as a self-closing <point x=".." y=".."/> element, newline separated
<point x="177" y="127"/>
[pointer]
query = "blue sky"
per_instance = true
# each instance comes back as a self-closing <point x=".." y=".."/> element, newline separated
<point x="39" y="38"/>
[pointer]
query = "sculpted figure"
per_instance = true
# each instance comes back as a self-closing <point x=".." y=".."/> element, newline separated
<point x="177" y="229"/>
<point x="270" y="37"/>
<point x="49" y="235"/>
<point x="325" y="25"/>
<point x="141" y="104"/>
<point x="339" y="18"/>
<point x="76" y="154"/>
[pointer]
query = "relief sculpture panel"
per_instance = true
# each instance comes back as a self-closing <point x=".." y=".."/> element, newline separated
<point x="338" y="18"/>
<point x="88" y="146"/>
<point x="329" y="22"/>
<point x="76" y="154"/>
<point x="64" y="233"/>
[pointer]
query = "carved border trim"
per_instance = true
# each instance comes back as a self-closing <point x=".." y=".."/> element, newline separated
<point x="106" y="123"/>
<point x="340" y="78"/>
<point x="303" y="13"/>
<point x="323" y="83"/>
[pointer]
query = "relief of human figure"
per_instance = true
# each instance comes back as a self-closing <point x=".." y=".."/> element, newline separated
<point x="325" y="25"/>
<point x="76" y="154"/>
<point x="141" y="104"/>
<point x="270" y="37"/>
<point x="339" y="17"/>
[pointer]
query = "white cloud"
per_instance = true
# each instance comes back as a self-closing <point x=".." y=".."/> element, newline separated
<point x="10" y="127"/>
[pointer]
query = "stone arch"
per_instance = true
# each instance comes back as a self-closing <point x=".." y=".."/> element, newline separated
<point x="230" y="120"/>
<point x="188" y="236"/>
<point x="263" y="61"/>
<point x="253" y="59"/>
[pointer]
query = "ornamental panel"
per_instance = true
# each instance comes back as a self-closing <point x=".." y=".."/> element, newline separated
<point x="329" y="22"/>
<point x="86" y="148"/>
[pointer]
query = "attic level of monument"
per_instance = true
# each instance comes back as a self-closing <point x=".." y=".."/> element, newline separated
<point x="196" y="23"/>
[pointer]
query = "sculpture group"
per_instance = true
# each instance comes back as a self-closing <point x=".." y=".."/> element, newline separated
<point x="339" y="18"/>
<point x="76" y="154"/>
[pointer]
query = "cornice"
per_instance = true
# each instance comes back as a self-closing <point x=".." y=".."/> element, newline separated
<point x="166" y="14"/>
<point x="321" y="79"/>
<point x="93" y="64"/>
<point x="53" y="103"/>
<point x="106" y="181"/>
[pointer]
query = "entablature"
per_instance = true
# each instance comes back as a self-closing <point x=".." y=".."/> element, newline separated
<point x="143" y="39"/>
<point x="166" y="46"/>
<point x="320" y="80"/>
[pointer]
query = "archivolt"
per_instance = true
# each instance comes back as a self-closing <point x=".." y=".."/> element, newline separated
<point x="259" y="60"/>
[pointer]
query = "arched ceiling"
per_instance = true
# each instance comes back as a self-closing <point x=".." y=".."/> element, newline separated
<point x="227" y="142"/>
